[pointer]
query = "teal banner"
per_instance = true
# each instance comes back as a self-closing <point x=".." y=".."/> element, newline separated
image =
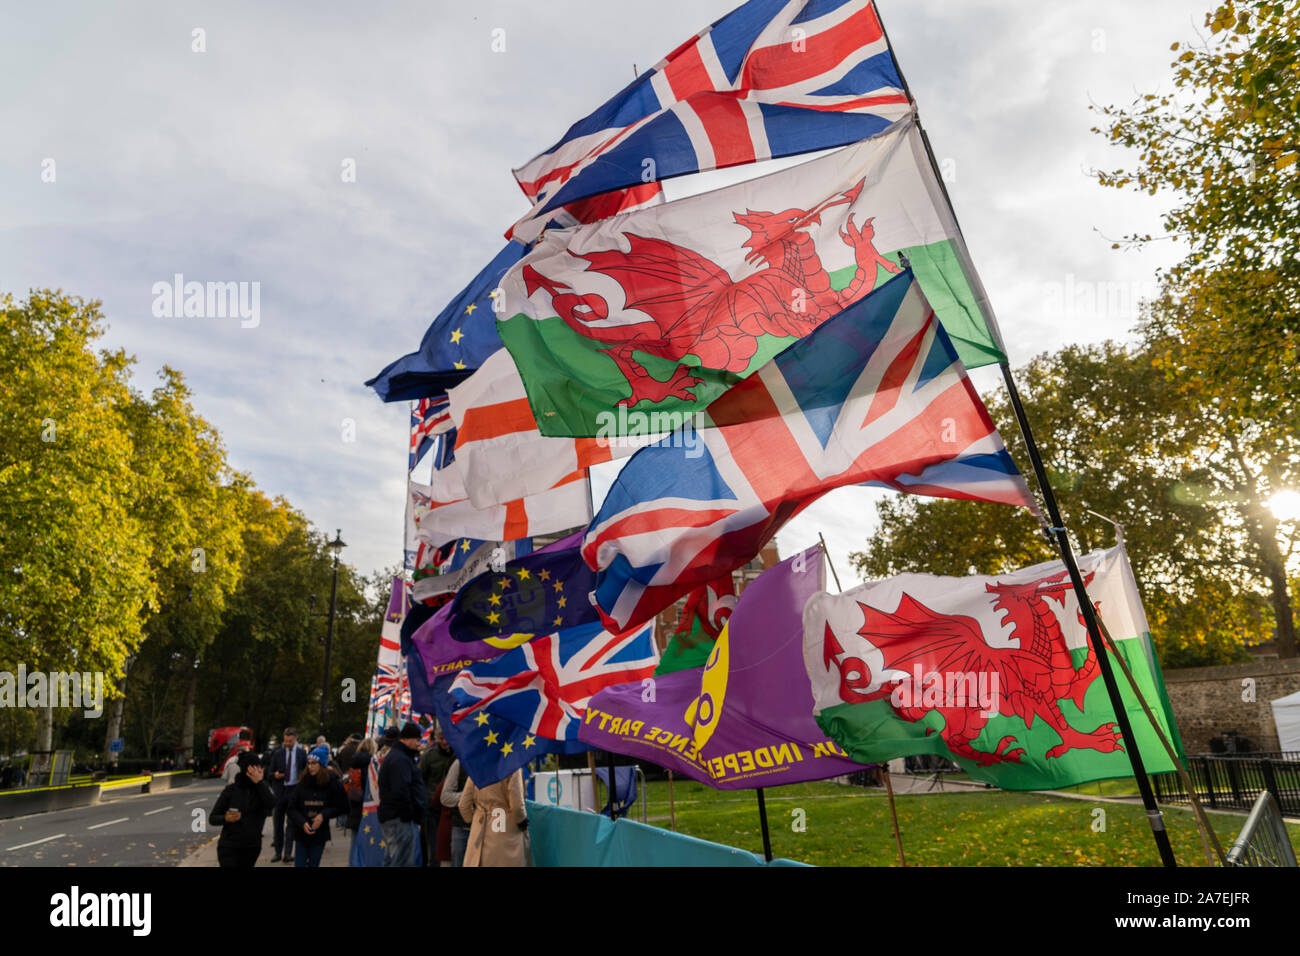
<point x="564" y="837"/>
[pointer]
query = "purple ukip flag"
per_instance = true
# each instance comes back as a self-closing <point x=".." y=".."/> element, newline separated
<point x="745" y="719"/>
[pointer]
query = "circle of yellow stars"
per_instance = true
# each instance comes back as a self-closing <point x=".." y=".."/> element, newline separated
<point x="492" y="738"/>
<point x="457" y="334"/>
<point x="504" y="582"/>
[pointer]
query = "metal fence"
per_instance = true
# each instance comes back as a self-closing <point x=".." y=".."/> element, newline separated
<point x="1235" y="781"/>
<point x="1263" y="840"/>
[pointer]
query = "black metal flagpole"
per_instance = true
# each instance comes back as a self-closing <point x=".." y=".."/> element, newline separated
<point x="762" y="815"/>
<point x="611" y="789"/>
<point x="1057" y="531"/>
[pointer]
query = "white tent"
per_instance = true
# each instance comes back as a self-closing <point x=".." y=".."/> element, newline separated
<point x="1286" y="714"/>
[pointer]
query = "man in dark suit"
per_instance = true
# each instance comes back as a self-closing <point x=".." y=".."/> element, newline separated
<point x="286" y="767"/>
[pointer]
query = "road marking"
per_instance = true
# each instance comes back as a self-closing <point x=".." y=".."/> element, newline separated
<point x="199" y="800"/>
<point x="23" y="846"/>
<point x="108" y="823"/>
<point x="150" y="813"/>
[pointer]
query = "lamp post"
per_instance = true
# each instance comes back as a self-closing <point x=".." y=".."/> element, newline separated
<point x="337" y="546"/>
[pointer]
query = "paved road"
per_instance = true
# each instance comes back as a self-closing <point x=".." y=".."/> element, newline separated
<point x="123" y="830"/>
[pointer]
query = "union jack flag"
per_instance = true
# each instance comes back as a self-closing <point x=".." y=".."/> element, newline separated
<point x="430" y="418"/>
<point x="544" y="685"/>
<point x="772" y="78"/>
<point x="385" y="686"/>
<point x="874" y="396"/>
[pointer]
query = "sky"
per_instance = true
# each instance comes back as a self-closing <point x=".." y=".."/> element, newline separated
<point x="211" y="140"/>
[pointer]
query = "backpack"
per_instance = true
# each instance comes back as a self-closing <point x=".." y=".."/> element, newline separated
<point x="354" y="784"/>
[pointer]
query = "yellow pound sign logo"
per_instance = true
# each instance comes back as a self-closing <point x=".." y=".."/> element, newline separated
<point x="705" y="709"/>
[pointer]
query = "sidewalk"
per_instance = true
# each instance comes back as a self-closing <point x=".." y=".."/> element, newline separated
<point x="336" y="850"/>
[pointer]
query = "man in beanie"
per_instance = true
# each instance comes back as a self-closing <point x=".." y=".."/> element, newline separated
<point x="241" y="812"/>
<point x="402" y="798"/>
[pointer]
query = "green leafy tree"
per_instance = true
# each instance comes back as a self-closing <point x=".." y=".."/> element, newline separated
<point x="189" y="503"/>
<point x="1222" y="144"/>
<point x="1121" y="440"/>
<point x="75" y="581"/>
<point x="266" y="667"/>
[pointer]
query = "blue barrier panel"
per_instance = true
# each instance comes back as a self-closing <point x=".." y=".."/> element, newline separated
<point x="564" y="837"/>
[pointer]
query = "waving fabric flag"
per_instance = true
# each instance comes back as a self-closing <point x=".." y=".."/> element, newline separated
<point x="436" y="522"/>
<point x="385" y="686"/>
<point x="661" y="311"/>
<point x="995" y="673"/>
<point x="545" y="684"/>
<point x="534" y="595"/>
<point x="496" y="431"/>
<point x="706" y="612"/>
<point x="457" y="342"/>
<point x="463" y="560"/>
<point x="769" y="79"/>
<point x="430" y="417"/>
<point x="740" y="721"/>
<point x="876" y="396"/>
<point x="490" y="748"/>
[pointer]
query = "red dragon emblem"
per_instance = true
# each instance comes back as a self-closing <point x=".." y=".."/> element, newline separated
<point x="1032" y="678"/>
<point x="696" y="309"/>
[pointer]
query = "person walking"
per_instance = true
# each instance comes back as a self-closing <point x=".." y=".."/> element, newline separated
<point x="489" y="846"/>
<point x="434" y="764"/>
<point x="402" y="798"/>
<point x="286" y="766"/>
<point x="317" y="799"/>
<point x="241" y="811"/>
<point x="358" y="771"/>
<point x="452" y="785"/>
<point x="348" y="751"/>
<point x="231" y="770"/>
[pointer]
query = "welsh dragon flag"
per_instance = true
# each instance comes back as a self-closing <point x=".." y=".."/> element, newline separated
<point x="995" y="673"/>
<point x="659" y="311"/>
<point x="706" y="612"/>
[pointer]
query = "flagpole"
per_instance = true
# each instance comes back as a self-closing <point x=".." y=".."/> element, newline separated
<point x="1089" y="611"/>
<point x="612" y="789"/>
<point x="762" y="816"/>
<point x="1057" y="530"/>
<point x="884" y="767"/>
<point x="672" y="806"/>
<point x="1208" y="836"/>
<point x="889" y="789"/>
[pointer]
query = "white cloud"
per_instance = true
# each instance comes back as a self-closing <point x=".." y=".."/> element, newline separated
<point x="225" y="165"/>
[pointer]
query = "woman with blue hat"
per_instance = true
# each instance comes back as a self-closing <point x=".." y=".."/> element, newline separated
<point x="318" y="797"/>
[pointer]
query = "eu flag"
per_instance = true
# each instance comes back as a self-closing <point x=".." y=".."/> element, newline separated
<point x="490" y="748"/>
<point x="539" y="593"/>
<point x="460" y="338"/>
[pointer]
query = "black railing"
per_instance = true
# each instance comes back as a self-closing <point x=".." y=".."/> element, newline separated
<point x="1235" y="781"/>
<point x="1263" y="841"/>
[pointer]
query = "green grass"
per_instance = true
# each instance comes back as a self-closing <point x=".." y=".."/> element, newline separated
<point x="1124" y="787"/>
<point x="850" y="826"/>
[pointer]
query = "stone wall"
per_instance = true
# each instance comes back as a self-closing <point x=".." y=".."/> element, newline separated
<point x="1208" y="700"/>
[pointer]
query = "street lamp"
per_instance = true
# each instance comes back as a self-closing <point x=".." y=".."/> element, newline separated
<point x="337" y="546"/>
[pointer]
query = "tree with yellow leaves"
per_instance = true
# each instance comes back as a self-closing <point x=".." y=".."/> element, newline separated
<point x="1225" y="329"/>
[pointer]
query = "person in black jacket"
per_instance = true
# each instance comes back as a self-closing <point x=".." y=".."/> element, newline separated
<point x="402" y="798"/>
<point x="241" y="812"/>
<point x="358" y="772"/>
<point x="318" y="797"/>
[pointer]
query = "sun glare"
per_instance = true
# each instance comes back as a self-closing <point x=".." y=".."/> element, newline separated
<point x="1285" y="505"/>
